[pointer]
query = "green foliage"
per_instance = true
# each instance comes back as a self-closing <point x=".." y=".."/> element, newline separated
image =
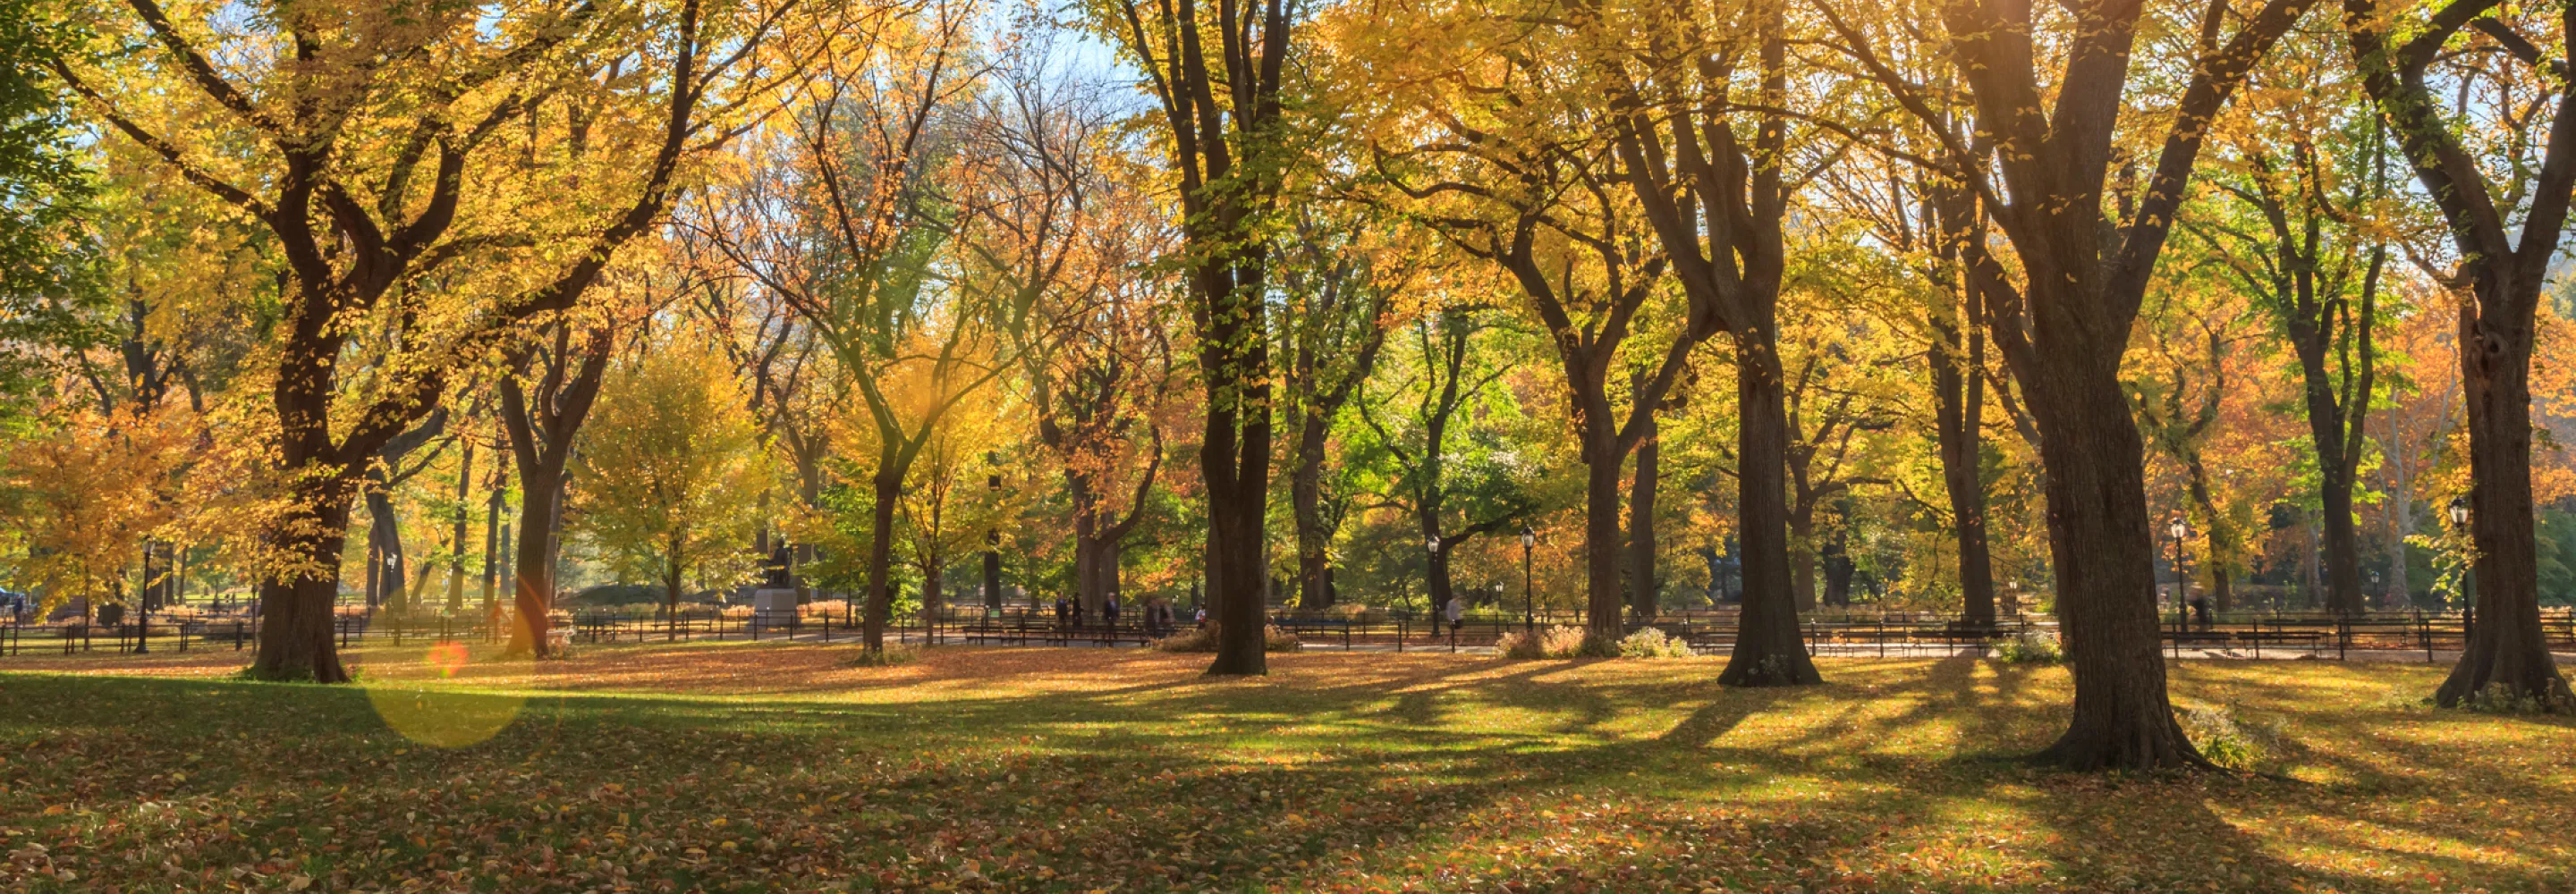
<point x="2031" y="646"/>
<point x="1203" y="639"/>
<point x="2229" y="739"/>
<point x="1653" y="642"/>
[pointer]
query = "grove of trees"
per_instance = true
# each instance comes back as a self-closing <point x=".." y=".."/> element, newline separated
<point x="1762" y="308"/>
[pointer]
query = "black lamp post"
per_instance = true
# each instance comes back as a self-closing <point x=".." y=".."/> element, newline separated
<point x="1529" y="591"/>
<point x="2460" y="516"/>
<point x="1430" y="575"/>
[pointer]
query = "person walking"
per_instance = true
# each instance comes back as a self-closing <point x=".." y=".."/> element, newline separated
<point x="1109" y="614"/>
<point x="1457" y="617"/>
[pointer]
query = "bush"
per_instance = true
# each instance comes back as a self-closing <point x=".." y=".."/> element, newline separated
<point x="2230" y="740"/>
<point x="1204" y="639"/>
<point x="1653" y="642"/>
<point x="1552" y="642"/>
<point x="2033" y="646"/>
<point x="2497" y="698"/>
<point x="826" y="608"/>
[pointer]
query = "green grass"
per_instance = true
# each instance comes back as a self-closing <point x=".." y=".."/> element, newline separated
<point x="1079" y="770"/>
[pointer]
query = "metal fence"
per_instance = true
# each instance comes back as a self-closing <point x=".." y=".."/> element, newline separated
<point x="1889" y="634"/>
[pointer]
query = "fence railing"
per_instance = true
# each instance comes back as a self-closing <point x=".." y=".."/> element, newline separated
<point x="1892" y="634"/>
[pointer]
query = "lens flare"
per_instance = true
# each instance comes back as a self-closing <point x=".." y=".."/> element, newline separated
<point x="405" y="688"/>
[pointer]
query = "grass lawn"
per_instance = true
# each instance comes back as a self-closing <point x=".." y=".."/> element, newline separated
<point x="769" y="767"/>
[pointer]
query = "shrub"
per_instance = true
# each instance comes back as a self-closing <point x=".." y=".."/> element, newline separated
<point x="2497" y="698"/>
<point x="1552" y="642"/>
<point x="1204" y="640"/>
<point x="1653" y="642"/>
<point x="2033" y="646"/>
<point x="2235" y="742"/>
<point x="826" y="608"/>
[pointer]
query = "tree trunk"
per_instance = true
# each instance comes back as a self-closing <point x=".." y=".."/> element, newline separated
<point x="1234" y="464"/>
<point x="2506" y="652"/>
<point x="1306" y="494"/>
<point x="492" y="545"/>
<point x="1644" y="588"/>
<point x="880" y="607"/>
<point x="1835" y="556"/>
<point x="457" y="529"/>
<point x="2219" y="560"/>
<point x="1958" y="397"/>
<point x="386" y="531"/>
<point x="296" y="636"/>
<point x="2100" y="540"/>
<point x="1768" y="648"/>
<point x="532" y="593"/>
<point x="671" y="590"/>
<point x="1802" y="553"/>
<point x="1601" y="538"/>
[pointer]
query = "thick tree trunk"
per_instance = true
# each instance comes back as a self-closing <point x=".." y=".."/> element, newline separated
<point x="2099" y="538"/>
<point x="1768" y="648"/>
<point x="1438" y="583"/>
<point x="1234" y="464"/>
<point x="1601" y="540"/>
<point x="1644" y="588"/>
<point x="1306" y="495"/>
<point x="532" y="594"/>
<point x="880" y="605"/>
<point x="296" y="636"/>
<point x="2507" y="654"/>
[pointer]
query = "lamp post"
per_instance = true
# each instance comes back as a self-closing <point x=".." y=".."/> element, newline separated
<point x="2181" y="529"/>
<point x="1431" y="576"/>
<point x="2460" y="516"/>
<point x="1529" y="594"/>
<point x="993" y="539"/>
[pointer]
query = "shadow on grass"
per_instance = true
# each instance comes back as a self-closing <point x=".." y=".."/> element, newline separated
<point x="1449" y="774"/>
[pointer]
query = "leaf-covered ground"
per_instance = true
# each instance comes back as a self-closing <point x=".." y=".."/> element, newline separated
<point x="769" y="767"/>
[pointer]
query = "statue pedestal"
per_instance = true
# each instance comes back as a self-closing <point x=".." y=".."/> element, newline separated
<point x="772" y="608"/>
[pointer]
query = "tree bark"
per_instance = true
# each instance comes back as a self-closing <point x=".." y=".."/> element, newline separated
<point x="2507" y="652"/>
<point x="1768" y="648"/>
<point x="2101" y="544"/>
<point x="296" y="635"/>
<point x="880" y="605"/>
<point x="1644" y="587"/>
<point x="1306" y="496"/>
<point x="456" y="530"/>
<point x="1958" y="404"/>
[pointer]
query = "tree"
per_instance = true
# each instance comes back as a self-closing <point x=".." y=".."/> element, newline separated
<point x="391" y="165"/>
<point x="87" y="492"/>
<point x="670" y="472"/>
<point x="849" y="214"/>
<point x="1715" y="177"/>
<point x="2306" y="174"/>
<point x="1222" y="119"/>
<point x="1449" y="473"/>
<point x="2506" y="211"/>
<point x="1506" y="163"/>
<point x="2186" y="373"/>
<point x="1339" y="276"/>
<point x="2086" y="250"/>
